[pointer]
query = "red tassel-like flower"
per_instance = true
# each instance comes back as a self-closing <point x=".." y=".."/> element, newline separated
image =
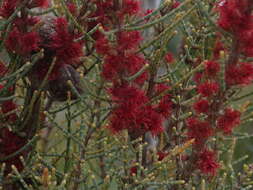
<point x="229" y="120"/>
<point x="130" y="7"/>
<point x="176" y="4"/>
<point x="132" y="113"/>
<point x="212" y="68"/>
<point x="123" y="65"/>
<point x="102" y="46"/>
<point x="198" y="77"/>
<point x="8" y="8"/>
<point x="201" y="106"/>
<point x="239" y="74"/>
<point x="169" y="57"/>
<point x="208" y="89"/>
<point x="234" y="15"/>
<point x="133" y="171"/>
<point x="10" y="143"/>
<point x="7" y="107"/>
<point x="22" y="43"/>
<point x="63" y="42"/>
<point x="128" y="40"/>
<point x="72" y="8"/>
<point x="207" y="162"/>
<point x="57" y="41"/>
<point x="199" y="130"/>
<point x="218" y="47"/>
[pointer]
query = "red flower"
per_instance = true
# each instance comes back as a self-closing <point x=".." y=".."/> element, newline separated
<point x="123" y="65"/>
<point x="10" y="143"/>
<point x="132" y="63"/>
<point x="13" y="39"/>
<point x="239" y="74"/>
<point x="199" y="130"/>
<point x="102" y="46"/>
<point x="8" y="8"/>
<point x="59" y="42"/>
<point x="132" y="113"/>
<point x="165" y="106"/>
<point x="133" y="170"/>
<point x="29" y="42"/>
<point x="229" y="120"/>
<point x="234" y="15"/>
<point x="169" y="57"/>
<point x="148" y="11"/>
<point x="7" y="107"/>
<point x="212" y="68"/>
<point x="72" y="8"/>
<point x="104" y="8"/>
<point x="201" y="106"/>
<point x="29" y="21"/>
<point x="63" y="42"/>
<point x="128" y="40"/>
<point x="218" y="47"/>
<point x="207" y="162"/>
<point x="130" y="7"/>
<point x="176" y="4"/>
<point x="112" y="68"/>
<point x="161" y="155"/>
<point x="22" y="43"/>
<point x="208" y="89"/>
<point x="197" y="77"/>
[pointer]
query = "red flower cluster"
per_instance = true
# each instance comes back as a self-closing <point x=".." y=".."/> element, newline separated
<point x="8" y="6"/>
<point x="66" y="50"/>
<point x="132" y="113"/>
<point x="132" y="109"/>
<point x="176" y="4"/>
<point x="212" y="68"/>
<point x="128" y="40"/>
<point x="107" y="11"/>
<point x="199" y="130"/>
<point x="60" y="42"/>
<point x="236" y="17"/>
<point x="208" y="89"/>
<point x="239" y="74"/>
<point x="22" y="43"/>
<point x="164" y="107"/>
<point x="199" y="126"/>
<point x="218" y="47"/>
<point x="129" y="7"/>
<point x="72" y="8"/>
<point x="169" y="57"/>
<point x="207" y="162"/>
<point x="229" y="120"/>
<point x="133" y="171"/>
<point x="10" y="143"/>
<point x="201" y="106"/>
